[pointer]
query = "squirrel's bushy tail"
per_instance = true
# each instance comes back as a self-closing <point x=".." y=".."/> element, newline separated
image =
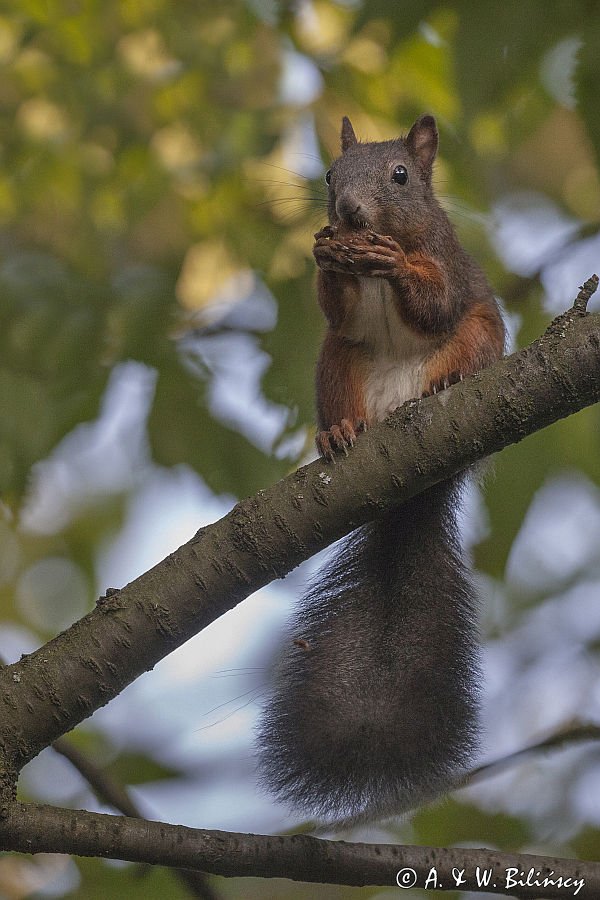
<point x="374" y="704"/>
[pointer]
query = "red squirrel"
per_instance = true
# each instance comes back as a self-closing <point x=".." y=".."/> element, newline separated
<point x="374" y="705"/>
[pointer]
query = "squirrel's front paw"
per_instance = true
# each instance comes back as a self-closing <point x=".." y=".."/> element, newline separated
<point x="339" y="437"/>
<point x="368" y="253"/>
<point x="358" y="253"/>
<point x="383" y="257"/>
<point x="331" y="254"/>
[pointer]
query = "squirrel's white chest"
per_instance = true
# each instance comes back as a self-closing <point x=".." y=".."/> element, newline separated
<point x="396" y="353"/>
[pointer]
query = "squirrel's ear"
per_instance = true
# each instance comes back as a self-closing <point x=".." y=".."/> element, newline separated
<point x="422" y="141"/>
<point x="348" y="136"/>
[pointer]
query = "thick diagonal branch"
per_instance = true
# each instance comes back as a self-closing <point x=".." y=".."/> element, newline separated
<point x="50" y="691"/>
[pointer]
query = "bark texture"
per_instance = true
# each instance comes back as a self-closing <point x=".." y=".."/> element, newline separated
<point x="264" y="537"/>
<point x="299" y="857"/>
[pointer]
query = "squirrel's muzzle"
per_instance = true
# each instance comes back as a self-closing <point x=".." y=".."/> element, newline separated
<point x="350" y="210"/>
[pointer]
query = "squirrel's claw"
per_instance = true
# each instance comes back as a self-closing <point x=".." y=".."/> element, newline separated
<point x="441" y="382"/>
<point x="324" y="233"/>
<point x="339" y="438"/>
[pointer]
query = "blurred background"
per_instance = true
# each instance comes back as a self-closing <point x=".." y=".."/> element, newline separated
<point x="161" y="176"/>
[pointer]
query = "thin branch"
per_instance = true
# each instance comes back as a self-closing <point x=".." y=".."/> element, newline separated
<point x="585" y="292"/>
<point x="109" y="791"/>
<point x="106" y="789"/>
<point x="50" y="691"/>
<point x="575" y="734"/>
<point x="36" y="829"/>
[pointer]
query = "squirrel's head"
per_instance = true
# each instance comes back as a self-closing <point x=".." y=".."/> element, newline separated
<point x="385" y="186"/>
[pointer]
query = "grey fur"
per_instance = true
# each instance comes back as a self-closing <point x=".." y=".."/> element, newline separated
<point x="375" y="707"/>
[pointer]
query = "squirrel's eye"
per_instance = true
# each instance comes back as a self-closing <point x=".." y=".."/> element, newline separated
<point x="400" y="175"/>
<point x="328" y="177"/>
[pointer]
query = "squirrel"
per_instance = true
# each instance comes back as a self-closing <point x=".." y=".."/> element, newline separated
<point x="375" y="700"/>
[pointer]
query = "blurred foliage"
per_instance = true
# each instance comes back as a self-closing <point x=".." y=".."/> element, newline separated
<point x="160" y="180"/>
<point x="457" y="822"/>
<point x="99" y="881"/>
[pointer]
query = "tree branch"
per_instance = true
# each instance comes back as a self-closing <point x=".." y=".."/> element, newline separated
<point x="53" y="689"/>
<point x="104" y="787"/>
<point x="49" y="691"/>
<point x="114" y="794"/>
<point x="574" y="734"/>
<point x="159" y="851"/>
<point x="36" y="829"/>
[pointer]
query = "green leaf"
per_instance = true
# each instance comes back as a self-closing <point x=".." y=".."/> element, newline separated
<point x="289" y="380"/>
<point x="519" y="471"/>
<point x="181" y="430"/>
<point x="587" y="77"/>
<point x="586" y="844"/>
<point x="451" y="822"/>
<point x="138" y="768"/>
<point x="100" y="880"/>
<point x="499" y="47"/>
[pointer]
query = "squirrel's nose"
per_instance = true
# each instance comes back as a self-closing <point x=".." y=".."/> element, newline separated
<point x="349" y="207"/>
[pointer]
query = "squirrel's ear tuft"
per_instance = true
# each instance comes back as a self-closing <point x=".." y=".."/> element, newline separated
<point x="422" y="141"/>
<point x="348" y="136"/>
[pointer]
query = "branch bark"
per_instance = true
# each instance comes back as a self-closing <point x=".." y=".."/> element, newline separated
<point x="109" y="791"/>
<point x="36" y="829"/>
<point x="50" y="691"/>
